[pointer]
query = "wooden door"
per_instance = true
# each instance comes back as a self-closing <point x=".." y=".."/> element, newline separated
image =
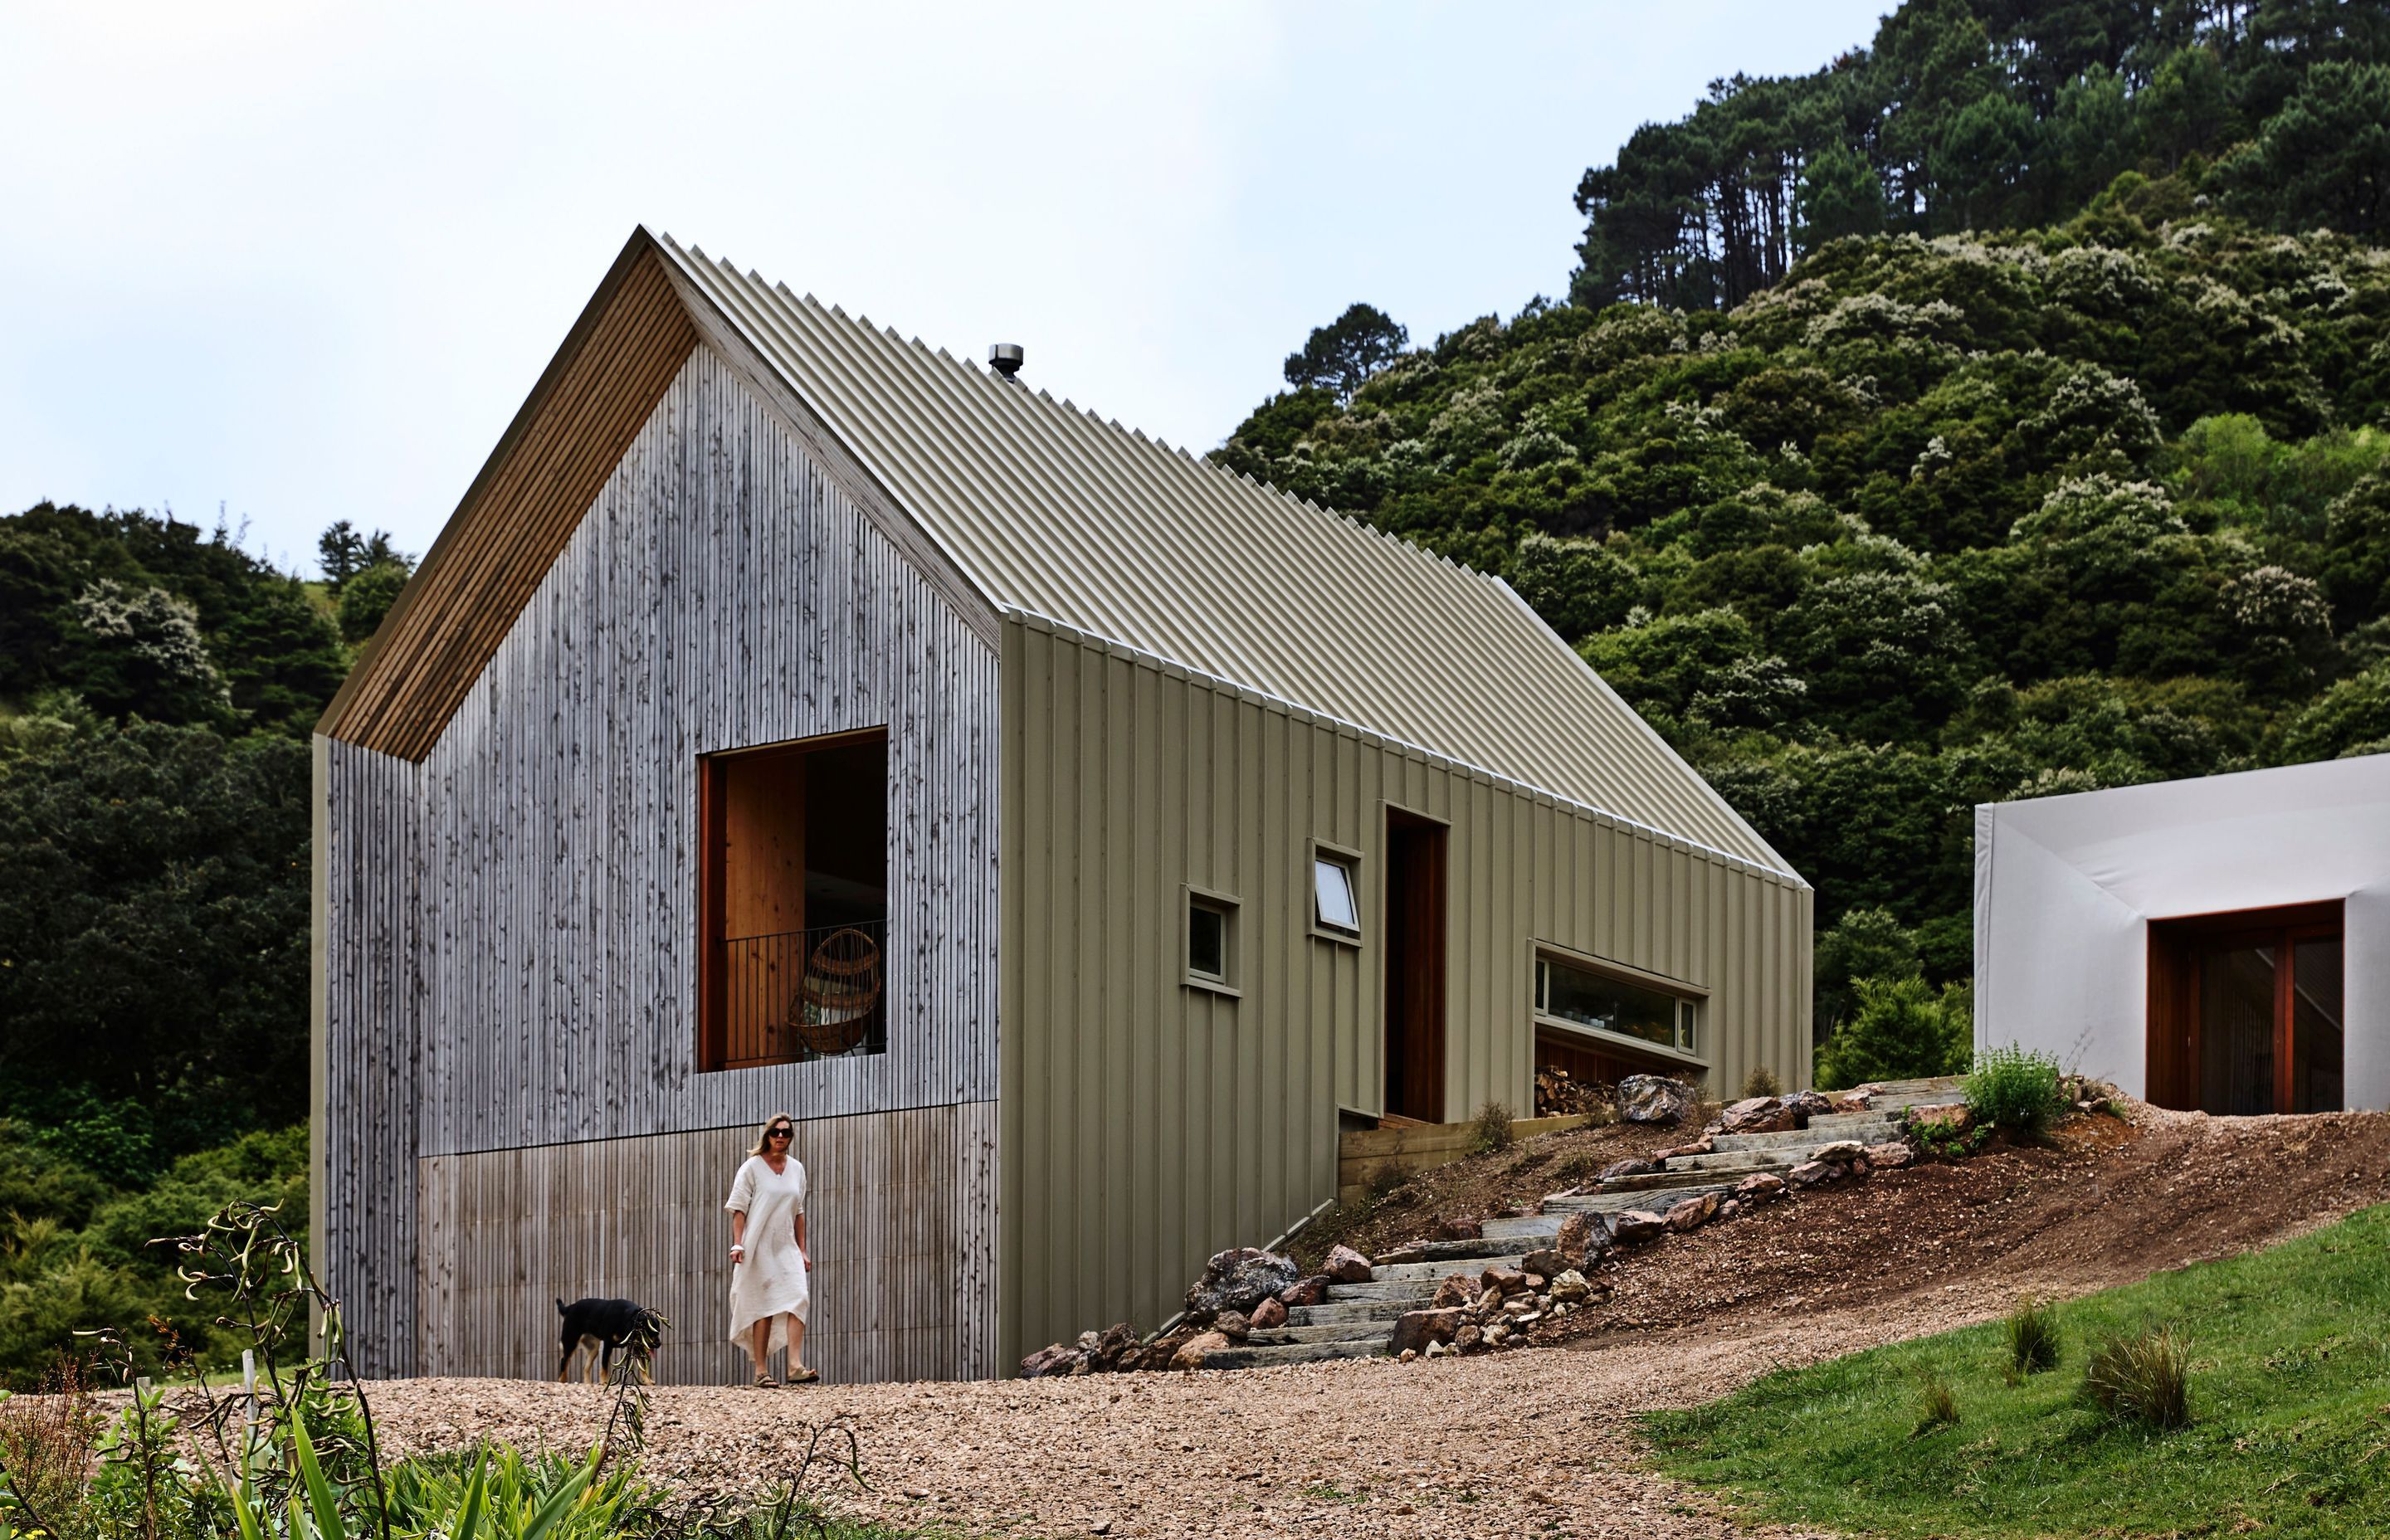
<point x="2244" y="1011"/>
<point x="1415" y="966"/>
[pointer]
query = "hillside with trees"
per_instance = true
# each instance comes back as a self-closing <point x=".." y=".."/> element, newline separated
<point x="1897" y="522"/>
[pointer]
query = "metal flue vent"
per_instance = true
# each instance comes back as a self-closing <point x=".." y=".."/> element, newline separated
<point x="1005" y="358"/>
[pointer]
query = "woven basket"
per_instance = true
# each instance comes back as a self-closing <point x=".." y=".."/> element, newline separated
<point x="840" y="991"/>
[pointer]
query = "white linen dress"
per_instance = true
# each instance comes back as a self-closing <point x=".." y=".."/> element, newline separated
<point x="772" y="1280"/>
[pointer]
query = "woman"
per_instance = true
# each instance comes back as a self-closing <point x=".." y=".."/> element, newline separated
<point x="769" y="1287"/>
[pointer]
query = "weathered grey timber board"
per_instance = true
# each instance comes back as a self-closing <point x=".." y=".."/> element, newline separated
<point x="1149" y="1122"/>
<point x="900" y="1221"/>
<point x="722" y="593"/>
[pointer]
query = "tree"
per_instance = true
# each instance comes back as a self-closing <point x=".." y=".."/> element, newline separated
<point x="1901" y="1030"/>
<point x="2188" y="106"/>
<point x="1342" y="354"/>
<point x="366" y="597"/>
<point x="1840" y="195"/>
<point x="2324" y="159"/>
<point x="341" y="553"/>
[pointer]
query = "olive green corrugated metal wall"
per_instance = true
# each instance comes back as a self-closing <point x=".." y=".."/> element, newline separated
<point x="1148" y="1123"/>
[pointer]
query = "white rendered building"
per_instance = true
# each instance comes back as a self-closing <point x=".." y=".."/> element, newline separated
<point x="2220" y="944"/>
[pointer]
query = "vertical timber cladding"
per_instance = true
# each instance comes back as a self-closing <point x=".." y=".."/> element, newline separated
<point x="1148" y="1123"/>
<point x="904" y="1285"/>
<point x="363" y="1141"/>
<point x="723" y="591"/>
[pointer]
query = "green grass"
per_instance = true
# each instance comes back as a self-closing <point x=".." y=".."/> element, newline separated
<point x="2289" y="1407"/>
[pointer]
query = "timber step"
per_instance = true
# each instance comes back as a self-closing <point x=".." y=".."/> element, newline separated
<point x="1251" y="1357"/>
<point x="1866" y="1128"/>
<point x="1434" y="1272"/>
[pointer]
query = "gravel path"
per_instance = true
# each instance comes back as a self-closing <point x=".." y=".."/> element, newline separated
<point x="1536" y="1442"/>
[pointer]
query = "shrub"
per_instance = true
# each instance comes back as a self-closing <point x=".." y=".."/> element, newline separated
<point x="1901" y="1030"/>
<point x="1761" y="1082"/>
<point x="2143" y="1378"/>
<point x="1937" y="1404"/>
<point x="1491" y="1131"/>
<point x="2032" y="1332"/>
<point x="2015" y="1090"/>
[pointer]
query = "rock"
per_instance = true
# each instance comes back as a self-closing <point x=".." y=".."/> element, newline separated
<point x="1699" y="1147"/>
<point x="1805" y="1105"/>
<point x="1692" y="1213"/>
<point x="1459" y="1229"/>
<point x="1238" y="1279"/>
<point x="1435" y="1350"/>
<point x="1503" y="1280"/>
<point x="1537" y="1284"/>
<point x="1407" y="1356"/>
<point x="1890" y="1157"/>
<point x="1764" y="1187"/>
<point x="1457" y="1289"/>
<point x="1618" y="1169"/>
<point x="1638" y="1224"/>
<point x="1409" y="1251"/>
<point x="1118" y="1344"/>
<point x="1417" y="1329"/>
<point x="1577" y="1235"/>
<point x="1859" y="1168"/>
<point x="1944" y="1122"/>
<point x="1729" y="1209"/>
<point x="1468" y="1337"/>
<point x="1653" y="1098"/>
<point x="1756" y="1115"/>
<point x="1346" y="1265"/>
<point x="1056" y="1359"/>
<point x="1190" y="1352"/>
<point x="1497" y="1334"/>
<point x="1269" y="1315"/>
<point x="1488" y="1306"/>
<point x="1232" y="1324"/>
<point x="1841" y="1152"/>
<point x="1549" y="1262"/>
<point x="1809" y="1174"/>
<point x="1310" y="1291"/>
<point x="1509" y="1211"/>
<point x="1570" y="1286"/>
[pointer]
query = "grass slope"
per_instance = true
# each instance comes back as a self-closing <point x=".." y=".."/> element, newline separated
<point x="2289" y="1395"/>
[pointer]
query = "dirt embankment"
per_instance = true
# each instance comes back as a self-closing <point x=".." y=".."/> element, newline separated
<point x="1524" y="1443"/>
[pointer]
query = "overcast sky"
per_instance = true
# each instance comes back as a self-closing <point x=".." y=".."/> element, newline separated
<point x="303" y="263"/>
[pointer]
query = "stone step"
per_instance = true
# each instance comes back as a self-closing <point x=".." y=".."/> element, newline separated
<point x="1293" y="1352"/>
<point x="1932" y="1085"/>
<point x="1398" y="1288"/>
<point x="1332" y="1332"/>
<point x="1656" y="1199"/>
<point x="1936" y="1096"/>
<point x="1523" y="1233"/>
<point x="1466" y="1250"/>
<point x="1742" y="1161"/>
<point x="1436" y="1272"/>
<point x="1866" y="1128"/>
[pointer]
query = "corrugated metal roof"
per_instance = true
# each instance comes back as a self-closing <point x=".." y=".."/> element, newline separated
<point x="1057" y="514"/>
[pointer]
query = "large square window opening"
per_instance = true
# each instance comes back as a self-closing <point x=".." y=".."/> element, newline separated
<point x="792" y="888"/>
<point x="1600" y="1002"/>
<point x="1334" y="907"/>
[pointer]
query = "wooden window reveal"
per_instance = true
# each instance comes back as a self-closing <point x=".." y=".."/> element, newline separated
<point x="792" y="901"/>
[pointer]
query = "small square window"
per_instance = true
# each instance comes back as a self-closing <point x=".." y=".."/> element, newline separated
<point x="1212" y="942"/>
<point x="1334" y="905"/>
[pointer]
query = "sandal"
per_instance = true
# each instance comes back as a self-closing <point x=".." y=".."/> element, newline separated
<point x="804" y="1376"/>
<point x="763" y="1380"/>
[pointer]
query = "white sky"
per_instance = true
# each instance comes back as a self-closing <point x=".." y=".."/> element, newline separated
<point x="302" y="262"/>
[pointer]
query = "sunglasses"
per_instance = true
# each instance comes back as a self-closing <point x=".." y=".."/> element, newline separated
<point x="778" y="1133"/>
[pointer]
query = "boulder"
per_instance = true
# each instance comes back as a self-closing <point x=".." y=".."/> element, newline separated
<point x="1310" y="1291"/>
<point x="1636" y="1224"/>
<point x="1416" y="1328"/>
<point x="1756" y="1115"/>
<point x="1238" y="1279"/>
<point x="1459" y="1289"/>
<point x="1944" y="1122"/>
<point x="1841" y="1152"/>
<point x="1575" y="1239"/>
<point x="1729" y="1209"/>
<point x="1547" y="1262"/>
<point x="1805" y="1105"/>
<point x="1653" y="1098"/>
<point x="1409" y="1251"/>
<point x="1232" y="1324"/>
<point x="1616" y="1169"/>
<point x="1811" y="1174"/>
<point x="1890" y="1157"/>
<point x="1056" y="1359"/>
<point x="1346" y="1265"/>
<point x="1191" y="1351"/>
<point x="1860" y="1167"/>
<point x="1692" y="1213"/>
<point x="1459" y="1229"/>
<point x="1570" y="1288"/>
<point x="1466" y="1337"/>
<point x="1503" y="1280"/>
<point x="1762" y="1186"/>
<point x="1269" y="1315"/>
<point x="1116" y="1346"/>
<point x="1699" y="1147"/>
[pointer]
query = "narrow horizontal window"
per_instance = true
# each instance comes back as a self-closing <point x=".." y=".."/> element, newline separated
<point x="1334" y="907"/>
<point x="1599" y="1003"/>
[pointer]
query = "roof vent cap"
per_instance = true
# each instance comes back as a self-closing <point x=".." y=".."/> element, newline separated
<point x="1005" y="358"/>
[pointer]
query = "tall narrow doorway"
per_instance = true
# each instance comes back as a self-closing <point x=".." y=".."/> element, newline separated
<point x="2245" y="1012"/>
<point x="1415" y="952"/>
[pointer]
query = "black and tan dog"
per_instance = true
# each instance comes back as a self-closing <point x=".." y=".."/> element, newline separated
<point x="606" y="1328"/>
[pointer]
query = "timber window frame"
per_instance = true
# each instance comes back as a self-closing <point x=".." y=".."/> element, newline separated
<point x="1208" y="942"/>
<point x="1325" y="858"/>
<point x="1685" y="1014"/>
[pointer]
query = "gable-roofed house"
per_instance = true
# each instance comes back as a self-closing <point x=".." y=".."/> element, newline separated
<point x="1073" y="835"/>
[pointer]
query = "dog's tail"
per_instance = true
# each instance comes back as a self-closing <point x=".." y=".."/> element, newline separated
<point x="559" y="1307"/>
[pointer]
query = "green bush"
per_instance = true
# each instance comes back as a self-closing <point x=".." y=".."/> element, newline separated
<point x="1901" y="1030"/>
<point x="2015" y="1090"/>
<point x="2142" y="1378"/>
<point x="1937" y="1404"/>
<point x="2031" y="1331"/>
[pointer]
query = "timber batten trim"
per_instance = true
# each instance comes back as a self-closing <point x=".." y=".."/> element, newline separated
<point x="625" y="350"/>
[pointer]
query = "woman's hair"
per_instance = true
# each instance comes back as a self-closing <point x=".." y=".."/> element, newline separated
<point x="761" y="1140"/>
